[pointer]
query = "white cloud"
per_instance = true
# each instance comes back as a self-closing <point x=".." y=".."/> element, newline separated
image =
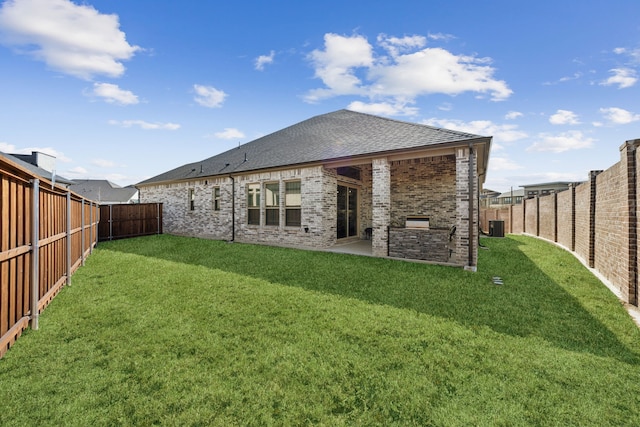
<point x="564" y="117"/>
<point x="502" y="164"/>
<point x="634" y="54"/>
<point x="8" y="148"/>
<point x="229" y="133"/>
<point x="383" y="108"/>
<point x="73" y="39"/>
<point x="512" y="115"/>
<point x="263" y="60"/>
<point x="76" y="172"/>
<point x="114" y="95"/>
<point x="102" y="163"/>
<point x="575" y="76"/>
<point x="349" y="66"/>
<point x="619" y="116"/>
<point x="501" y="133"/>
<point x="209" y="96"/>
<point x="396" y="45"/>
<point x="440" y="36"/>
<point x="623" y="77"/>
<point x="335" y="65"/>
<point x="436" y="70"/>
<point x="571" y="140"/>
<point x="145" y="125"/>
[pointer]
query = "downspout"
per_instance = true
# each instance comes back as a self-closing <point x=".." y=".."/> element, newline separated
<point x="471" y="211"/>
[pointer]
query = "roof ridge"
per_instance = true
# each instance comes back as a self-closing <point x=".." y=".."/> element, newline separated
<point x="452" y="131"/>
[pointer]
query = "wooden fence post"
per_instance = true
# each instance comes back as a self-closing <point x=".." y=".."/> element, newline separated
<point x="110" y="222"/>
<point x="82" y="242"/>
<point x="35" y="252"/>
<point x="68" y="238"/>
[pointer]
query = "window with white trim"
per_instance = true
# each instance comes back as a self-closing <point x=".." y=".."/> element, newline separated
<point x="292" y="203"/>
<point x="272" y="203"/>
<point x="253" y="204"/>
<point x="192" y="199"/>
<point x="216" y="198"/>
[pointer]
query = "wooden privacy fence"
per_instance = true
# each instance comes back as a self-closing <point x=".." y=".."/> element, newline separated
<point x="124" y="221"/>
<point x="47" y="232"/>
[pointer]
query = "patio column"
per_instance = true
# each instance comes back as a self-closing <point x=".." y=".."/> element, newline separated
<point x="381" y="201"/>
<point x="466" y="237"/>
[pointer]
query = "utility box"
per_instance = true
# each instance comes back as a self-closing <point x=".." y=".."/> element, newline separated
<point x="496" y="228"/>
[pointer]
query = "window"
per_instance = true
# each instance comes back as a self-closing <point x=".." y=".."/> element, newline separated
<point x="253" y="204"/>
<point x="292" y="202"/>
<point x="216" y="198"/>
<point x="192" y="199"/>
<point x="272" y="203"/>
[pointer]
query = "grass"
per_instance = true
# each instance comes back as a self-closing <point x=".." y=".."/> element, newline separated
<point x="170" y="330"/>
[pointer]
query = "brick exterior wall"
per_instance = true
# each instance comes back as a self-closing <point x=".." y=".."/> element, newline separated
<point x="318" y="223"/>
<point x="424" y="187"/>
<point x="531" y="216"/>
<point x="583" y="211"/>
<point x="517" y="219"/>
<point x="388" y="192"/>
<point x="547" y="217"/>
<point x="566" y="218"/>
<point x="318" y="228"/>
<point x="611" y="249"/>
<point x="203" y="220"/>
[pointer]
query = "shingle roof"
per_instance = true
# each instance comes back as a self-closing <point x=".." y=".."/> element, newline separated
<point x="338" y="135"/>
<point x="36" y="170"/>
<point x="102" y="190"/>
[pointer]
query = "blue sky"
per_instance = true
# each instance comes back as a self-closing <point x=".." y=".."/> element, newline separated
<point x="125" y="90"/>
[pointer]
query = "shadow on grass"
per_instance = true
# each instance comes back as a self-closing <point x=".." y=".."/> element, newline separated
<point x="529" y="304"/>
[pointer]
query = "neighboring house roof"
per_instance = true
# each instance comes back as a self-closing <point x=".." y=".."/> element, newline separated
<point x="514" y="193"/>
<point x="103" y="191"/>
<point x="557" y="184"/>
<point x="36" y="170"/>
<point x="338" y="135"/>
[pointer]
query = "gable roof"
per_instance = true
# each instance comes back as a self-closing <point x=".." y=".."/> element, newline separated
<point x="103" y="191"/>
<point x="338" y="135"/>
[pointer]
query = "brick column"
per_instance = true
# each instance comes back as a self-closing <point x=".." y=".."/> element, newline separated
<point x="592" y="218"/>
<point x="466" y="247"/>
<point x="381" y="201"/>
<point x="629" y="155"/>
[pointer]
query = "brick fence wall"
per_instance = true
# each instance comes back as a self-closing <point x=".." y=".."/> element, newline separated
<point x="596" y="220"/>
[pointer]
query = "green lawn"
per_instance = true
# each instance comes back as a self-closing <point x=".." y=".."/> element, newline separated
<point x="168" y="330"/>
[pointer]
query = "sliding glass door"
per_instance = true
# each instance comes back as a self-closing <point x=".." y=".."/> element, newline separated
<point x="347" y="212"/>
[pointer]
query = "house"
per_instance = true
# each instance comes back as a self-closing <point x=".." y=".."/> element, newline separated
<point x="337" y="177"/>
<point x="104" y="192"/>
<point x="40" y="164"/>
<point x="488" y="197"/>
<point x="532" y="190"/>
<point x="512" y="197"/>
